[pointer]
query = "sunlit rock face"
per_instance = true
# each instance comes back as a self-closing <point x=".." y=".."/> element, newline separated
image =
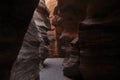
<point x="98" y="22"/>
<point x="61" y="33"/>
<point x="66" y="15"/>
<point x="52" y="33"/>
<point x="51" y="4"/>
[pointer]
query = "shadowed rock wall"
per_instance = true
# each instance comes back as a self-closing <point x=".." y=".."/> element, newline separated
<point x="98" y="22"/>
<point x="34" y="49"/>
<point x="15" y="16"/>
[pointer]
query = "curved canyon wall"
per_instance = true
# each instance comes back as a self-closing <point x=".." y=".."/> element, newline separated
<point x="98" y="22"/>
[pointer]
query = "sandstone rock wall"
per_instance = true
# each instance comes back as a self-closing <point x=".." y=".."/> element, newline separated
<point x="34" y="49"/>
<point x="98" y="22"/>
<point x="15" y="16"/>
<point x="53" y="51"/>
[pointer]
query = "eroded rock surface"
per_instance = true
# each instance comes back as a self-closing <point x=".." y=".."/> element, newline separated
<point x="15" y="16"/>
<point x="98" y="22"/>
<point x="34" y="49"/>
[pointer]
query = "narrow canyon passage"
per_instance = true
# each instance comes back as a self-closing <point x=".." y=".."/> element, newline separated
<point x="78" y="39"/>
<point x="53" y="70"/>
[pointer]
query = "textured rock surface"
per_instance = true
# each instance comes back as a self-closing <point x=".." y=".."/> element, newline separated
<point x="15" y="16"/>
<point x="98" y="22"/>
<point x="99" y="40"/>
<point x="34" y="48"/>
<point x="65" y="22"/>
<point x="52" y="33"/>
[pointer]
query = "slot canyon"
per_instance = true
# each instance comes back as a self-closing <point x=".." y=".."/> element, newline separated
<point x="79" y="38"/>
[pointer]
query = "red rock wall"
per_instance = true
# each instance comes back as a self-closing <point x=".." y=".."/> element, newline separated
<point x="98" y="22"/>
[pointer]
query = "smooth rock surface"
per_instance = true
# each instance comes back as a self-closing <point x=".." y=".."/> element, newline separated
<point x="53" y="70"/>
